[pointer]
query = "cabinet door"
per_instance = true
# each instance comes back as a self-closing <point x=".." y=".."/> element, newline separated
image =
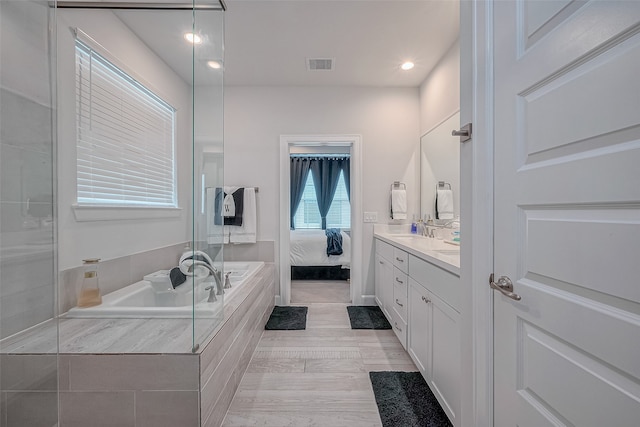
<point x="419" y="327"/>
<point x="384" y="284"/>
<point x="444" y="378"/>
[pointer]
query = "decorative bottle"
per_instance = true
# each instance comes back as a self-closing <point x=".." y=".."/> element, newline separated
<point x="89" y="292"/>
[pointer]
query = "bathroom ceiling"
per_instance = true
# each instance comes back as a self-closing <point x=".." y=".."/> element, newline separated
<point x="268" y="42"/>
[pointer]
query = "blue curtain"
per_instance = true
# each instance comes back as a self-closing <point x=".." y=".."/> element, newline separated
<point x="325" y="172"/>
<point x="346" y="171"/>
<point x="298" y="175"/>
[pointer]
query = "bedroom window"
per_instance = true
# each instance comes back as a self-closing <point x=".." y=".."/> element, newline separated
<point x="308" y="214"/>
<point x="125" y="138"/>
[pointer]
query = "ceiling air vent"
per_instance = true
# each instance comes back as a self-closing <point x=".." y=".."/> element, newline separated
<point x="325" y="64"/>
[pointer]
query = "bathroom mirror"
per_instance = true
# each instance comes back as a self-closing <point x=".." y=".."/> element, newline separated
<point x="440" y="162"/>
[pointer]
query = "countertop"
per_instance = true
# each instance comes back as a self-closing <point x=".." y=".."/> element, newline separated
<point x="432" y="250"/>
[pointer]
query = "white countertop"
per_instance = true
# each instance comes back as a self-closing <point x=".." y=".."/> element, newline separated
<point x="432" y="250"/>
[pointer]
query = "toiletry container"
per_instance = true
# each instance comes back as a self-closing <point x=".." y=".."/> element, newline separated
<point x="89" y="291"/>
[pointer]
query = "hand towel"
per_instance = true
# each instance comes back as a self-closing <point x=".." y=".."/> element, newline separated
<point x="247" y="232"/>
<point x="216" y="232"/>
<point x="444" y="204"/>
<point x="399" y="204"/>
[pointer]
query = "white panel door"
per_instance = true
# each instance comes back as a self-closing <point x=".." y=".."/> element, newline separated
<point x="567" y="213"/>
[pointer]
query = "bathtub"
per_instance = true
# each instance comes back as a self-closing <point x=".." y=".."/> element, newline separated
<point x="141" y="300"/>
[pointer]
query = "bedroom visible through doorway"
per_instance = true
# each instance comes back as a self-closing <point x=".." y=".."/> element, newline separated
<point x="319" y="193"/>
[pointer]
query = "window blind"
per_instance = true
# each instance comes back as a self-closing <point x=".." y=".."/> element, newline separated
<point x="308" y="214"/>
<point x="125" y="137"/>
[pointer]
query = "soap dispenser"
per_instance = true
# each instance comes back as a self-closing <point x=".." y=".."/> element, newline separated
<point x="89" y="290"/>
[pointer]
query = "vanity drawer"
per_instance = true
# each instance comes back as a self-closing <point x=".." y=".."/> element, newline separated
<point x="401" y="259"/>
<point x="384" y="249"/>
<point x="441" y="282"/>
<point x="400" y="300"/>
<point x="399" y="327"/>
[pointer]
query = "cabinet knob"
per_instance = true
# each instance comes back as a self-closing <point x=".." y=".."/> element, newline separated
<point x="381" y="262"/>
<point x="398" y="302"/>
<point x="425" y="299"/>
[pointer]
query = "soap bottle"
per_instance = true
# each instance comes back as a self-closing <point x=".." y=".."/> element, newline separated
<point x="414" y="226"/>
<point x="89" y="292"/>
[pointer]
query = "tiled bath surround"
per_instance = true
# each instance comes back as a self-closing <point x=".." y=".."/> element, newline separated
<point x="140" y="390"/>
<point x="136" y="389"/>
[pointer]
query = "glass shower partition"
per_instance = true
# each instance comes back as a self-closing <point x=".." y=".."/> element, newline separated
<point x="107" y="359"/>
<point x="28" y="326"/>
<point x="208" y="159"/>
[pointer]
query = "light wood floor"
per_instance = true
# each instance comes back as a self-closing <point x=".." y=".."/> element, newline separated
<point x="310" y="291"/>
<point x="318" y="376"/>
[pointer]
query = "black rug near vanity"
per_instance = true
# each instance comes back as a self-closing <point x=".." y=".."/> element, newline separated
<point x="287" y="318"/>
<point x="405" y="400"/>
<point x="367" y="317"/>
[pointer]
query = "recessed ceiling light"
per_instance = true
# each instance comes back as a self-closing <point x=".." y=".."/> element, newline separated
<point x="193" y="38"/>
<point x="214" y="64"/>
<point x="407" y="65"/>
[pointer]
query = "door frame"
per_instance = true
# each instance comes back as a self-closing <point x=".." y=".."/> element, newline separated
<point x="477" y="212"/>
<point x="354" y="143"/>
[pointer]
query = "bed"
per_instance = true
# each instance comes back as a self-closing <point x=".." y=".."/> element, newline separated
<point x="309" y="259"/>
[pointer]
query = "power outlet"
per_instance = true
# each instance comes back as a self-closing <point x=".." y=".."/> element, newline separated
<point x="371" y="217"/>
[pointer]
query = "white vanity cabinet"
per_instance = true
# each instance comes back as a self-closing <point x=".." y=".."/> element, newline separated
<point x="384" y="277"/>
<point x="434" y="331"/>
<point x="421" y="301"/>
<point x="391" y="282"/>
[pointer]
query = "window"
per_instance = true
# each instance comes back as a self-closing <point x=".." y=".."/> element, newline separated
<point x="125" y="138"/>
<point x="339" y="215"/>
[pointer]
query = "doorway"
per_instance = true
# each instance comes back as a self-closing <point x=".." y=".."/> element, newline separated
<point x="349" y="144"/>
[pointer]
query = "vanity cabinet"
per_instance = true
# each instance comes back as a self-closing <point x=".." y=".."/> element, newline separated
<point x="383" y="277"/>
<point x="434" y="331"/>
<point x="391" y="283"/>
<point x="421" y="301"/>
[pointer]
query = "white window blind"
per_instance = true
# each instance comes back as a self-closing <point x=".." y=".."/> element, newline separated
<point x="125" y="137"/>
<point x="308" y="214"/>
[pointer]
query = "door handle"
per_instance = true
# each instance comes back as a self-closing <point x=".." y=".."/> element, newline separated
<point x="398" y="302"/>
<point x="505" y="286"/>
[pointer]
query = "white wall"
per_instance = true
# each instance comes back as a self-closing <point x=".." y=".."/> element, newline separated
<point x="115" y="238"/>
<point x="386" y="118"/>
<point x="440" y="91"/>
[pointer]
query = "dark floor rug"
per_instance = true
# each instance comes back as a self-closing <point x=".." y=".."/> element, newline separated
<point x="287" y="318"/>
<point x="367" y="317"/>
<point x="405" y="400"/>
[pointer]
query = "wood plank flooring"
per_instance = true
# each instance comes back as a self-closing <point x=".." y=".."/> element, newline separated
<point x="310" y="291"/>
<point x="318" y="376"/>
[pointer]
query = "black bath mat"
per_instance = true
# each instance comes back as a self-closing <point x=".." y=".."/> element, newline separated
<point x="367" y="317"/>
<point x="287" y="318"/>
<point x="404" y="399"/>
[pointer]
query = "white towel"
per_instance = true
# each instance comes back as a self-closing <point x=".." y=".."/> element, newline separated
<point x="399" y="204"/>
<point x="246" y="233"/>
<point x="445" y="204"/>
<point x="216" y="233"/>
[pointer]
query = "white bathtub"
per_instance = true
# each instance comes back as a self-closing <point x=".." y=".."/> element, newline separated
<point x="140" y="300"/>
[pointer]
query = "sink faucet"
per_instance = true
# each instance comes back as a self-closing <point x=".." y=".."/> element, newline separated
<point x="188" y="265"/>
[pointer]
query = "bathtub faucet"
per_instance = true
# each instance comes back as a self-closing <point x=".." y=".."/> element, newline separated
<point x="187" y="267"/>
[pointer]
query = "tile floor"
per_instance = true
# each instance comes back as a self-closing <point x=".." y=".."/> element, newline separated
<point x="318" y="376"/>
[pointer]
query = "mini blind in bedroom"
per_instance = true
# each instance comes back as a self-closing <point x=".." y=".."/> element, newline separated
<point x="125" y="137"/>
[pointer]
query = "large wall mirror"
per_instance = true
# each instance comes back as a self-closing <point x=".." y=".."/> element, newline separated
<point x="440" y="162"/>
